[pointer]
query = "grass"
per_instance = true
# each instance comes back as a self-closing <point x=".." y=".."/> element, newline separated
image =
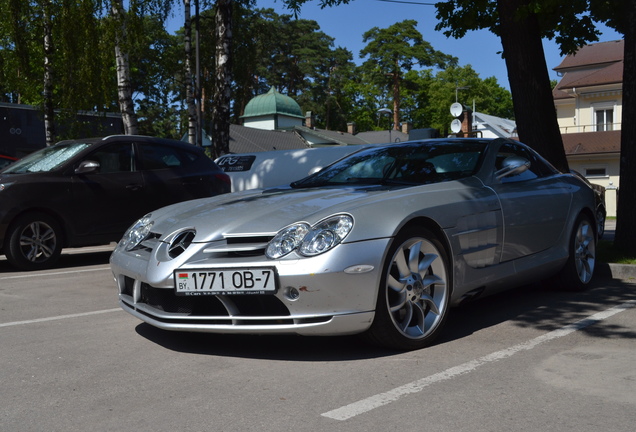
<point x="608" y="253"/>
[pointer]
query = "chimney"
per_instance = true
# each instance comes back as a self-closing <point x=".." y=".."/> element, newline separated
<point x="309" y="120"/>
<point x="467" y="123"/>
<point x="406" y="128"/>
<point x="351" y="128"/>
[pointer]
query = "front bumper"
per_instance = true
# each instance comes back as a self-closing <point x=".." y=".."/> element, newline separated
<point x="328" y="301"/>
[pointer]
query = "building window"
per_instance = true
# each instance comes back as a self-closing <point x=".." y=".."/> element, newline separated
<point x="595" y="172"/>
<point x="604" y="120"/>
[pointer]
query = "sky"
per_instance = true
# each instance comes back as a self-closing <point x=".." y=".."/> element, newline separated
<point x="480" y="49"/>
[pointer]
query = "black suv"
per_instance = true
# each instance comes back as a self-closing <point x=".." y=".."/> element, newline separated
<point x="88" y="192"/>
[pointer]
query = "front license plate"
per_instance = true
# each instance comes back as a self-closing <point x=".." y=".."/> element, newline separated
<point x="225" y="281"/>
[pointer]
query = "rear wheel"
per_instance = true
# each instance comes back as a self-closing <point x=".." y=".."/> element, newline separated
<point x="600" y="220"/>
<point x="34" y="242"/>
<point x="414" y="293"/>
<point x="579" y="269"/>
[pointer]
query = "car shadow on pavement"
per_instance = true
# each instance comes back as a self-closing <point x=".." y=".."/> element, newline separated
<point x="68" y="260"/>
<point x="534" y="306"/>
<point x="544" y="308"/>
<point x="270" y="347"/>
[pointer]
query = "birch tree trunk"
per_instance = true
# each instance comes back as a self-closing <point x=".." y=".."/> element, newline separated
<point x="222" y="84"/>
<point x="124" y="89"/>
<point x="49" y="111"/>
<point x="190" y="100"/>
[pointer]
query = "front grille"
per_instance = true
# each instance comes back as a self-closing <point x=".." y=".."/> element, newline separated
<point x="209" y="306"/>
<point x="236" y="247"/>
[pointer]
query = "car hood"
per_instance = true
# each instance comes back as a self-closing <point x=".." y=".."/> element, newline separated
<point x="262" y="212"/>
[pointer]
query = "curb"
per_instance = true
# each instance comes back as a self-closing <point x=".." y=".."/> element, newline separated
<point x="616" y="271"/>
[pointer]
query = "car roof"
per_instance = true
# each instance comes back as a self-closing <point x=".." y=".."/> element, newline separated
<point x="136" y="138"/>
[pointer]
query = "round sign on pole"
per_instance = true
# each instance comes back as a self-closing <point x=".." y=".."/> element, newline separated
<point x="456" y="109"/>
<point x="456" y="126"/>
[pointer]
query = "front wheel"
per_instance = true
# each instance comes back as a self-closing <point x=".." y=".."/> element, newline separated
<point x="33" y="242"/>
<point x="414" y="293"/>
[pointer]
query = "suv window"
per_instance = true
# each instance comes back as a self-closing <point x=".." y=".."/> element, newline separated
<point x="116" y="157"/>
<point x="154" y="157"/>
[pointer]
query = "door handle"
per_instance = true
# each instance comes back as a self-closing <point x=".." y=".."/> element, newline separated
<point x="134" y="187"/>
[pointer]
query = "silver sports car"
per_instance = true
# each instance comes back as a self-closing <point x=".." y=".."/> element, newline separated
<point x="381" y="242"/>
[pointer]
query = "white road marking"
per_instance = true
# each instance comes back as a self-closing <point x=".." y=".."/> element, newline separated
<point x="354" y="409"/>
<point x="59" y="317"/>
<point x="33" y="275"/>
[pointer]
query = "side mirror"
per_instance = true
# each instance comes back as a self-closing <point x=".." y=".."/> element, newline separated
<point x="512" y="166"/>
<point x="87" y="167"/>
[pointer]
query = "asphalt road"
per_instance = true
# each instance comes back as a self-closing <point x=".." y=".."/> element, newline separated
<point x="527" y="360"/>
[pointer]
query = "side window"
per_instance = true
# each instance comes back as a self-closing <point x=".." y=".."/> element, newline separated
<point x="153" y="157"/>
<point x="116" y="157"/>
<point x="537" y="169"/>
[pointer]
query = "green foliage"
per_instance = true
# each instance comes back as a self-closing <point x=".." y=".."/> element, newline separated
<point x="400" y="47"/>
<point x="570" y="24"/>
<point x="268" y="50"/>
<point x="428" y="98"/>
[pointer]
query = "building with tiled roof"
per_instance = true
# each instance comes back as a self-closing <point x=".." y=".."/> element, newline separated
<point x="588" y="100"/>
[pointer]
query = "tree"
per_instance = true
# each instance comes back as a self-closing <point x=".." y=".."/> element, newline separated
<point x="124" y="89"/>
<point x="220" y="132"/>
<point x="190" y="87"/>
<point x="521" y="24"/>
<point x="625" y="228"/>
<point x="395" y="50"/>
<point x="621" y="16"/>
<point x="438" y="92"/>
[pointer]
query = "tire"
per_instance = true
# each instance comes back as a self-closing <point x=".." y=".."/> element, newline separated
<point x="34" y="242"/>
<point x="414" y="293"/>
<point x="579" y="268"/>
<point x="600" y="220"/>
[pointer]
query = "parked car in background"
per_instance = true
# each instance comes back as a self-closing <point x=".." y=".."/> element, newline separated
<point x="601" y="211"/>
<point x="383" y="241"/>
<point x="87" y="192"/>
<point x="279" y="167"/>
<point x="6" y="160"/>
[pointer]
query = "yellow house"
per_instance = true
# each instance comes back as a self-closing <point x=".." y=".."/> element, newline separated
<point x="588" y="100"/>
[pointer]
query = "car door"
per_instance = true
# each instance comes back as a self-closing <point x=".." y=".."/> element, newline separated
<point x="535" y="205"/>
<point x="171" y="174"/>
<point x="110" y="199"/>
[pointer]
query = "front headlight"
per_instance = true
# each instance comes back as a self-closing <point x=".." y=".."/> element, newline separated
<point x="286" y="240"/>
<point x="137" y="233"/>
<point x="310" y="241"/>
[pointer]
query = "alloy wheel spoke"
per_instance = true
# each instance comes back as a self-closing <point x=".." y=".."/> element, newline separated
<point x="395" y="284"/>
<point x="414" y="257"/>
<point x="430" y="301"/>
<point x="426" y="263"/>
<point x="400" y="304"/>
<point x="408" y="314"/>
<point x="401" y="264"/>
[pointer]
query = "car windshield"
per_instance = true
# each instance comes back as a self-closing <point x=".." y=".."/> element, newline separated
<point x="403" y="164"/>
<point x="46" y="159"/>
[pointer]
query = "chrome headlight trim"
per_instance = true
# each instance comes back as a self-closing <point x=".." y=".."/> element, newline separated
<point x="137" y="233"/>
<point x="326" y="235"/>
<point x="310" y="240"/>
<point x="286" y="240"/>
